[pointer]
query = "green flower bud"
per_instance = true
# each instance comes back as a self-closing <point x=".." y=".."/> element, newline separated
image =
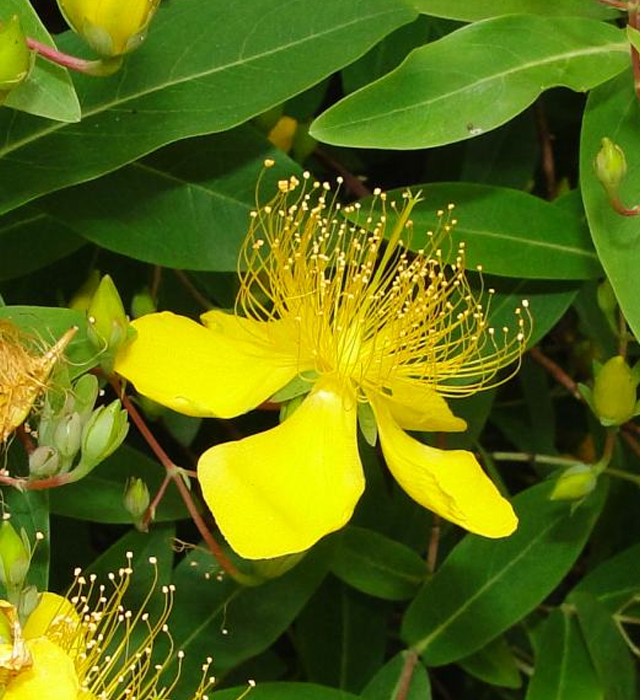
<point x="67" y="435"/>
<point x="85" y="392"/>
<point x="110" y="27"/>
<point x="15" y="557"/>
<point x="44" y="462"/>
<point x="136" y="498"/>
<point x="103" y="433"/>
<point x="610" y="165"/>
<point x="574" y="483"/>
<point x="83" y="296"/>
<point x="15" y="57"/>
<point x="142" y="304"/>
<point x="108" y="323"/>
<point x="614" y="392"/>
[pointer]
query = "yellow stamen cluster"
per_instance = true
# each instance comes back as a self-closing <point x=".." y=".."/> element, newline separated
<point x="24" y="374"/>
<point x="115" y="651"/>
<point x="361" y="304"/>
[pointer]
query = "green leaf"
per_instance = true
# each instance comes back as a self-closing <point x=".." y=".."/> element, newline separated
<point x="482" y="9"/>
<point x="237" y="622"/>
<point x="99" y="497"/>
<point x="507" y="232"/>
<point x="563" y="668"/>
<point x="377" y="565"/>
<point x="612" y="111"/>
<point x="610" y="655"/>
<point x="615" y="582"/>
<point x="204" y="188"/>
<point x="205" y="67"/>
<point x="485" y="586"/>
<point x="45" y="239"/>
<point x="474" y="80"/>
<point x="48" y="92"/>
<point x="494" y="664"/>
<point x="388" y="683"/>
<point x="341" y="636"/>
<point x="286" y="691"/>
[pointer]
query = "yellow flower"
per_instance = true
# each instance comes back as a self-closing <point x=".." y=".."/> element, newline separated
<point x="110" y="27"/>
<point x="23" y="374"/>
<point x="89" y="646"/>
<point x="326" y="305"/>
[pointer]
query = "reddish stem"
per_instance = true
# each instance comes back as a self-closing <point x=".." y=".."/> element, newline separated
<point x="62" y="59"/>
<point x="555" y="371"/>
<point x="404" y="684"/>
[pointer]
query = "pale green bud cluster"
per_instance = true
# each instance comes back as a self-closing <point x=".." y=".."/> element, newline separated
<point x="136" y="501"/>
<point x="16" y="553"/>
<point x="610" y="166"/>
<point x="73" y="436"/>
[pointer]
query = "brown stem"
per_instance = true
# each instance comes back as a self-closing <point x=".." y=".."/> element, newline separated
<point x="352" y="183"/>
<point x="193" y="290"/>
<point x="174" y="473"/>
<point x="556" y="372"/>
<point x="618" y="4"/>
<point x="406" y="675"/>
<point x="434" y="543"/>
<point x="548" y="161"/>
<point x="149" y="514"/>
<point x="634" y="21"/>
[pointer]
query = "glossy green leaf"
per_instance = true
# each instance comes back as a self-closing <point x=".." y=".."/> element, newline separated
<point x="286" y="691"/>
<point x="45" y="239"/>
<point x="474" y="80"/>
<point x="563" y="668"/>
<point x="485" y="586"/>
<point x="482" y="9"/>
<point x="507" y="232"/>
<point x="615" y="582"/>
<point x="377" y="565"/>
<point x="495" y="664"/>
<point x="48" y="92"/>
<point x="99" y="497"/>
<point x="203" y="188"/>
<point x="612" y="111"/>
<point x="237" y="622"/>
<point x="390" y="684"/>
<point x="609" y="653"/>
<point x="205" y="67"/>
<point x="340" y="636"/>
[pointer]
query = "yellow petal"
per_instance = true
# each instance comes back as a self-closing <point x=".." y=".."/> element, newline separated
<point x="193" y="370"/>
<point x="448" y="482"/>
<point x="417" y="407"/>
<point x="52" y="675"/>
<point x="57" y="619"/>
<point x="280" y="491"/>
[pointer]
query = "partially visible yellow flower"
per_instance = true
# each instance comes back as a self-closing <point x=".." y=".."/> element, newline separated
<point x="110" y="27"/>
<point x="341" y="304"/>
<point x="24" y="374"/>
<point x="89" y="646"/>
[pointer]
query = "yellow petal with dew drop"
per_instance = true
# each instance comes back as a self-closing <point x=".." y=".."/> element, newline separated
<point x="418" y="407"/>
<point x="280" y="491"/>
<point x="193" y="370"/>
<point x="451" y="483"/>
<point x="51" y="676"/>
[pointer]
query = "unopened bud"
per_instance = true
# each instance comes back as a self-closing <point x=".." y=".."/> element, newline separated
<point x="142" y="304"/>
<point x="103" y="433"/>
<point x="610" y="165"/>
<point x="574" y="483"/>
<point x="83" y="296"/>
<point x="15" y="57"/>
<point x="44" y="462"/>
<point x="67" y="435"/>
<point x="614" y="392"/>
<point x="110" y="27"/>
<point x="108" y="323"/>
<point x="136" y="498"/>
<point x="15" y="557"/>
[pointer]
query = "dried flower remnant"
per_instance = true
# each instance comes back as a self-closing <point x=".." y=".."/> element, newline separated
<point x="336" y="310"/>
<point x="89" y="646"/>
<point x="24" y="374"/>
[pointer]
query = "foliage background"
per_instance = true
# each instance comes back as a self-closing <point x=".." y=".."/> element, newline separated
<point x="149" y="175"/>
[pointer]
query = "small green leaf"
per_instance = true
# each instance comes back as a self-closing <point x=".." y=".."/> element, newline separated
<point x="494" y="664"/>
<point x="474" y="80"/>
<point x="485" y="586"/>
<point x="563" y="668"/>
<point x="609" y="653"/>
<point x="377" y="565"/>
